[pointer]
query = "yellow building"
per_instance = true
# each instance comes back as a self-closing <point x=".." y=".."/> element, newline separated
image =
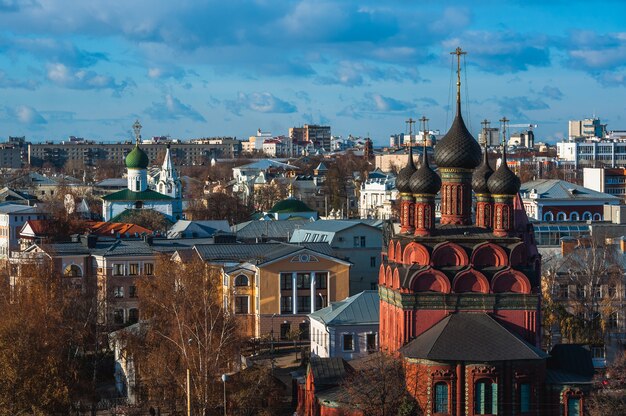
<point x="272" y="287"/>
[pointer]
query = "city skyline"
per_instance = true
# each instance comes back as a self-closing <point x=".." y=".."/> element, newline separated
<point x="196" y="69"/>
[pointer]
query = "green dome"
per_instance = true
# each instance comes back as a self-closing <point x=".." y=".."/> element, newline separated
<point x="137" y="159"/>
<point x="290" y="205"/>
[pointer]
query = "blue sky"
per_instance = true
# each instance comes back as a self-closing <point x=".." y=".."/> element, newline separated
<point x="210" y="68"/>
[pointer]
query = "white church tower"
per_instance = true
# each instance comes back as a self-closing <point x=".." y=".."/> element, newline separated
<point x="169" y="182"/>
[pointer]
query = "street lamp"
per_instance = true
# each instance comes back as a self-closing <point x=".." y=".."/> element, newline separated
<point x="322" y="298"/>
<point x="224" y="380"/>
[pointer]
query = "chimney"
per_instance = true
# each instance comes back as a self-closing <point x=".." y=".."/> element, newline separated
<point x="568" y="244"/>
<point x="92" y="239"/>
<point x="149" y="239"/>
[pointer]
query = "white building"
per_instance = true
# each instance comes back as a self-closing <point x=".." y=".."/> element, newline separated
<point x="592" y="153"/>
<point x="378" y="193"/>
<point x="138" y="196"/>
<point x="12" y="219"/>
<point x="346" y="329"/>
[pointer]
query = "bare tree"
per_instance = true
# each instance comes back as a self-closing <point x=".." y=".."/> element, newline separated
<point x="378" y="387"/>
<point x="188" y="331"/>
<point x="610" y="397"/>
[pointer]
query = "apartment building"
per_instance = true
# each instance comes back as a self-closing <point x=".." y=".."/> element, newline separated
<point x="195" y="152"/>
<point x="10" y="156"/>
<point x="13" y="216"/>
<point x="318" y="135"/>
<point x="598" y="153"/>
<point x="588" y="127"/>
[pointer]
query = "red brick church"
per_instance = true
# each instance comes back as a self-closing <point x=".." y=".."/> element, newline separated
<point x="460" y="299"/>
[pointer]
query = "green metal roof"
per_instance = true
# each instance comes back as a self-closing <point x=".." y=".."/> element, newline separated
<point x="290" y="205"/>
<point x="128" y="195"/>
<point x="359" y="309"/>
<point x="137" y="159"/>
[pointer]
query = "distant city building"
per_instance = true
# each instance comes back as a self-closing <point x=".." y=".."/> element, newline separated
<point x="10" y="156"/>
<point x="588" y="128"/>
<point x="378" y="193"/>
<point x="13" y="216"/>
<point x="524" y="138"/>
<point x="609" y="180"/>
<point x="195" y="152"/>
<point x="318" y="135"/>
<point x="557" y="200"/>
<point x="492" y="134"/>
<point x="594" y="153"/>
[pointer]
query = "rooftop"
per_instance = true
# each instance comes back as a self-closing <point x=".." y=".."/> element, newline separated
<point x="359" y="309"/>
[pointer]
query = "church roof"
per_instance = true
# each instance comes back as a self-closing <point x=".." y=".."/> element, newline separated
<point x="137" y="159"/>
<point x="290" y="205"/>
<point x="470" y="337"/>
<point x="128" y="195"/>
<point x="559" y="189"/>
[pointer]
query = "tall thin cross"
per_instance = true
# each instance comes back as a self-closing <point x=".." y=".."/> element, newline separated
<point x="424" y="120"/>
<point x="137" y="130"/>
<point x="458" y="52"/>
<point x="410" y="123"/>
<point x="485" y="123"/>
<point x="504" y="120"/>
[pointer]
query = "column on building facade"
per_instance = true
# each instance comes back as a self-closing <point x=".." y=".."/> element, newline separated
<point x="294" y="293"/>
<point x="313" y="285"/>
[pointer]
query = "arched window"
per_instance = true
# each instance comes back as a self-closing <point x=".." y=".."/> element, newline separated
<point x="597" y="217"/>
<point x="73" y="271"/>
<point x="486" y="397"/>
<point x="574" y="216"/>
<point x="561" y="216"/>
<point x="137" y="185"/>
<point x="241" y="280"/>
<point x="548" y="216"/>
<point x="441" y="398"/>
<point x="586" y="215"/>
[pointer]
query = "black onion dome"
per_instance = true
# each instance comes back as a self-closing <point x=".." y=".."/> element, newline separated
<point x="481" y="175"/>
<point x="504" y="181"/>
<point x="425" y="180"/>
<point x="404" y="176"/>
<point x="458" y="148"/>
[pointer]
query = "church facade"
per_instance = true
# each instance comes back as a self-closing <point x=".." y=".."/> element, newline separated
<point x="166" y="199"/>
<point x="460" y="300"/>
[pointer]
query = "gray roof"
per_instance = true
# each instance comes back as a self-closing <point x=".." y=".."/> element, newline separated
<point x="329" y="228"/>
<point x="10" y="208"/>
<point x="264" y="164"/>
<point x="327" y="371"/>
<point x="282" y="229"/>
<point x="113" y="182"/>
<point x="257" y="253"/>
<point x="185" y="228"/>
<point x="470" y="337"/>
<point x="558" y="189"/>
<point x="359" y="309"/>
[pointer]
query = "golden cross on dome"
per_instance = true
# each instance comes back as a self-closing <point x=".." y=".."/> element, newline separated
<point x="458" y="52"/>
<point x="424" y="120"/>
<point x="504" y="120"/>
<point x="137" y="130"/>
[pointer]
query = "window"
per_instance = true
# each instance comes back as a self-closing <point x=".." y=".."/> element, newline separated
<point x="285" y="281"/>
<point x="373" y="261"/>
<point x="286" y="304"/>
<point x="441" y="397"/>
<point x="72" y="271"/>
<point x="580" y="291"/>
<point x="320" y="280"/>
<point x="563" y="291"/>
<point x="304" y="304"/>
<point x="612" y="321"/>
<point x="370" y="340"/>
<point x="612" y="292"/>
<point x="118" y="316"/>
<point x="118" y="291"/>
<point x="118" y="270"/>
<point x="303" y="280"/>
<point x="148" y="269"/>
<point x="304" y="331"/>
<point x="348" y="342"/>
<point x="133" y="316"/>
<point x="241" y="280"/>
<point x="284" y="330"/>
<point x="356" y="241"/>
<point x="241" y="304"/>
<point x="132" y="291"/>
<point x="573" y="406"/>
<point x="486" y="397"/>
<point x="362" y="241"/>
<point x="524" y="397"/>
<point x="133" y="269"/>
<point x="319" y="301"/>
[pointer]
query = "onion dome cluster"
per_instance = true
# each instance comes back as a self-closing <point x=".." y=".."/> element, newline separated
<point x="503" y="181"/>
<point x="404" y="176"/>
<point x="425" y="180"/>
<point x="481" y="175"/>
<point x="458" y="148"/>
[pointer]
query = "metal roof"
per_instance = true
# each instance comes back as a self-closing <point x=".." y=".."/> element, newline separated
<point x="558" y="189"/>
<point x="268" y="229"/>
<point x="470" y="337"/>
<point x="256" y="253"/>
<point x="359" y="309"/>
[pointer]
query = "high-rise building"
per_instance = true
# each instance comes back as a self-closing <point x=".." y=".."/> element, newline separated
<point x="318" y="135"/>
<point x="588" y="127"/>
